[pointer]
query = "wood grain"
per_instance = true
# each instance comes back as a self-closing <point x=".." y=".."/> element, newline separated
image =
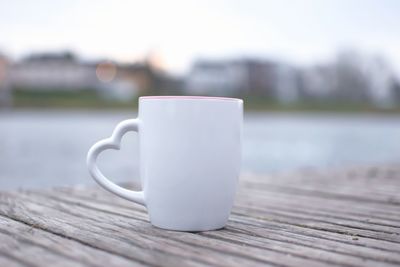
<point x="340" y="217"/>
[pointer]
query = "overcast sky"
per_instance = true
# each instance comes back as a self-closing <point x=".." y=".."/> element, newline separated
<point x="300" y="32"/>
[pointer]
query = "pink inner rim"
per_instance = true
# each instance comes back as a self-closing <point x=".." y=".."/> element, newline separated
<point x="189" y="97"/>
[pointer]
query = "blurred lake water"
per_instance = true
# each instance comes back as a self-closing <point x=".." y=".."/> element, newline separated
<point x="48" y="148"/>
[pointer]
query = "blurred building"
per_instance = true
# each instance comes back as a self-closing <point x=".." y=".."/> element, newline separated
<point x="317" y="82"/>
<point x="216" y="78"/>
<point x="350" y="77"/>
<point x="140" y="78"/>
<point x="286" y="85"/>
<point x="244" y="77"/>
<point x="125" y="82"/>
<point x="52" y="72"/>
<point x="65" y="72"/>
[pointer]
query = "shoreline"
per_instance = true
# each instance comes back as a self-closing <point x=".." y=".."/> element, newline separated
<point x="252" y="112"/>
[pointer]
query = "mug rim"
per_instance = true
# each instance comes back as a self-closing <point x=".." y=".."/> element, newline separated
<point x="183" y="97"/>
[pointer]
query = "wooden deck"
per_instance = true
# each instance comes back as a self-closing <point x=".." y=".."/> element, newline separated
<point x="311" y="218"/>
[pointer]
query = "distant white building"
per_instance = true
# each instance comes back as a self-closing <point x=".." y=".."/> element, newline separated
<point x="63" y="72"/>
<point x="216" y="78"/>
<point x="262" y="78"/>
<point x="53" y="72"/>
<point x="318" y="82"/>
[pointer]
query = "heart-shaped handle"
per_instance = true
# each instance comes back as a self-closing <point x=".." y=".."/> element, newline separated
<point x="114" y="142"/>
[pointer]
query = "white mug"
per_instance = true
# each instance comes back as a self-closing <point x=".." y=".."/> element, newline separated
<point x="190" y="157"/>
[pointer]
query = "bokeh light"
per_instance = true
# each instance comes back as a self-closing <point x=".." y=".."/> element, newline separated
<point x="106" y="71"/>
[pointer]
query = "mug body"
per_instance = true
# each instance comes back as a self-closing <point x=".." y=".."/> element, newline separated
<point x="190" y="157"/>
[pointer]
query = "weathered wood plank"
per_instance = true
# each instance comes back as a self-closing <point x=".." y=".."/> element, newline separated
<point x="8" y="261"/>
<point x="352" y="234"/>
<point x="70" y="249"/>
<point x="246" y="221"/>
<point x="280" y="213"/>
<point x="202" y="249"/>
<point x="317" y="254"/>
<point x="343" y="217"/>
<point x="284" y="250"/>
<point x="330" y="208"/>
<point x="110" y="207"/>
<point x="326" y="244"/>
<point x="33" y="255"/>
<point x="325" y="192"/>
<point x="367" y="251"/>
<point x="303" y="214"/>
<point x="134" y="246"/>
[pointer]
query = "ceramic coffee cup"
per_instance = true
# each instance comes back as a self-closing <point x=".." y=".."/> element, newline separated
<point x="190" y="157"/>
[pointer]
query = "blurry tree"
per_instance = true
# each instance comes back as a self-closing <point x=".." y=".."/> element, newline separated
<point x="351" y="81"/>
<point x="364" y="78"/>
<point x="381" y="81"/>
